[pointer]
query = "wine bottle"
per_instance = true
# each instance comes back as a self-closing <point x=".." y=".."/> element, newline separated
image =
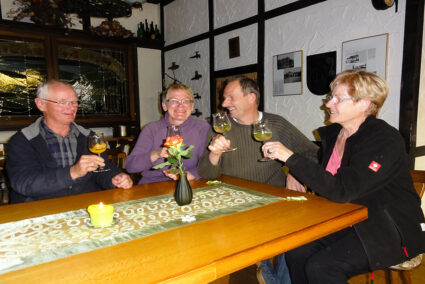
<point x="151" y="31"/>
<point x="147" y="31"/>
<point x="141" y="30"/>
<point x="157" y="33"/>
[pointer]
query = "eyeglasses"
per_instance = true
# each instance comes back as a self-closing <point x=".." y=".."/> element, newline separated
<point x="63" y="103"/>
<point x="176" y="102"/>
<point x="337" y="100"/>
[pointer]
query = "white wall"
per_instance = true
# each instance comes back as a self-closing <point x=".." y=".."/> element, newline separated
<point x="272" y="4"/>
<point x="186" y="71"/>
<point x="150" y="84"/>
<point x="322" y="28"/>
<point x="316" y="29"/>
<point x="420" y="127"/>
<point x="248" y="48"/>
<point x="227" y="12"/>
<point x="184" y="19"/>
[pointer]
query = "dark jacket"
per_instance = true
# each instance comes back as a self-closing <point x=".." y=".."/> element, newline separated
<point x="33" y="172"/>
<point x="375" y="173"/>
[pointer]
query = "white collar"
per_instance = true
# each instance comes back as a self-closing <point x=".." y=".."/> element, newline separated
<point x="260" y="117"/>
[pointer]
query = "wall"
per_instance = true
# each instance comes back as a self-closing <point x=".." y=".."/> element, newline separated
<point x="420" y="127"/>
<point x="149" y="61"/>
<point x="322" y="28"/>
<point x="316" y="29"/>
<point x="150" y="84"/>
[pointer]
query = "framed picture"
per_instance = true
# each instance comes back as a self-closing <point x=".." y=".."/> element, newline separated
<point x="287" y="74"/>
<point x="368" y="53"/>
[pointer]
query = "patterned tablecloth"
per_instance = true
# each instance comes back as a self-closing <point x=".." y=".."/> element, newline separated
<point x="42" y="239"/>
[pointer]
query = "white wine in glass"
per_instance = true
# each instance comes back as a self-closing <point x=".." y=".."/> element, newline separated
<point x="97" y="145"/>
<point x="222" y="124"/>
<point x="262" y="132"/>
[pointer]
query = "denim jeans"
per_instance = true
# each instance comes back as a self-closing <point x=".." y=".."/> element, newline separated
<point x="278" y="275"/>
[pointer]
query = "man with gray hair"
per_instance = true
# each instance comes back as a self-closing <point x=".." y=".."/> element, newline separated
<point x="241" y="99"/>
<point x="51" y="158"/>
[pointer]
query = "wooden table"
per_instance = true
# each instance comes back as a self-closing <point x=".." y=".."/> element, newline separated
<point x="196" y="253"/>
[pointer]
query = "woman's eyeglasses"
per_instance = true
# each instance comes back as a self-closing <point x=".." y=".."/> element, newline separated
<point x="337" y="100"/>
<point x="176" y="102"/>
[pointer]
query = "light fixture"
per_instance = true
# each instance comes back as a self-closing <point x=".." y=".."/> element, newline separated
<point x="384" y="4"/>
<point x="135" y="3"/>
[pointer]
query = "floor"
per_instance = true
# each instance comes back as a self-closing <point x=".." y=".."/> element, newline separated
<point x="248" y="276"/>
<point x="417" y="276"/>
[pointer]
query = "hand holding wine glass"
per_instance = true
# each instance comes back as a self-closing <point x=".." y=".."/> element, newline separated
<point x="262" y="132"/>
<point x="97" y="145"/>
<point x="222" y="124"/>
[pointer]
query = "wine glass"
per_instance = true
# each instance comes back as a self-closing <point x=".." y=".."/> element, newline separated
<point x="221" y="124"/>
<point x="97" y="145"/>
<point x="173" y="130"/>
<point x="262" y="133"/>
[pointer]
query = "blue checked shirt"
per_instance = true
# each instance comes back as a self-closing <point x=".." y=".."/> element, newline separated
<point x="63" y="149"/>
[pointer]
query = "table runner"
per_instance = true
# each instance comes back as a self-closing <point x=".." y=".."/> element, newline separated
<point x="38" y="240"/>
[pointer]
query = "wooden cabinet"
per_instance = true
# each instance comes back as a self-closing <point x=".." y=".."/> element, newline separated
<point x="102" y="71"/>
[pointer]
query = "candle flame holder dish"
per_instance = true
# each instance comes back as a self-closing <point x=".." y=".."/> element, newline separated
<point x="115" y="221"/>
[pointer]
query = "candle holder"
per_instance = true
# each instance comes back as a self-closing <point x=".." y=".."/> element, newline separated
<point x="101" y="215"/>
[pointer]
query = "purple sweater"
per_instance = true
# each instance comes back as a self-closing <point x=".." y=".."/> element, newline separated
<point x="152" y="137"/>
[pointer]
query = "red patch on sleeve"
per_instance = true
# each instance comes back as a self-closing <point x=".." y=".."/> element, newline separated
<point x="374" y="166"/>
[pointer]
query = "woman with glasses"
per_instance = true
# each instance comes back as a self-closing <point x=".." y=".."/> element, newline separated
<point x="363" y="161"/>
<point x="177" y="103"/>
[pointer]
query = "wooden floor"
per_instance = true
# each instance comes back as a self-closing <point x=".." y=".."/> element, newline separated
<point x="248" y="276"/>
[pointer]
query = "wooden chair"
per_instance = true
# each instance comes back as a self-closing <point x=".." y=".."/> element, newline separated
<point x="119" y="147"/>
<point x="117" y="157"/>
<point x="402" y="271"/>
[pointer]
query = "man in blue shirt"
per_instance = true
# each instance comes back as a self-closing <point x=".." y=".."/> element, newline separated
<point x="50" y="158"/>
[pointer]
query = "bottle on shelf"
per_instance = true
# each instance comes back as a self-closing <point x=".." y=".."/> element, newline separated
<point x="157" y="33"/>
<point x="147" y="31"/>
<point x="141" y="30"/>
<point x="151" y="31"/>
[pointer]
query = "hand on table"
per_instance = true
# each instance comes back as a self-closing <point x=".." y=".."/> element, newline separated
<point x="122" y="180"/>
<point x="293" y="184"/>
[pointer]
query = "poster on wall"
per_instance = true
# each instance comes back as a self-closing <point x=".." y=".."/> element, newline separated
<point x="287" y="73"/>
<point x="368" y="53"/>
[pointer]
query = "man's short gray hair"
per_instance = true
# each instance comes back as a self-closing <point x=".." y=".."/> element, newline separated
<point x="43" y="89"/>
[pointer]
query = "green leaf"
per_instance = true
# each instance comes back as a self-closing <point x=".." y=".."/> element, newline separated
<point x="173" y="152"/>
<point x="172" y="160"/>
<point x="174" y="171"/>
<point x="159" y="166"/>
<point x="190" y="148"/>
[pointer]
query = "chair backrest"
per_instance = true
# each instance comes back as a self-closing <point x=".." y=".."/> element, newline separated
<point x="418" y="178"/>
<point x="117" y="156"/>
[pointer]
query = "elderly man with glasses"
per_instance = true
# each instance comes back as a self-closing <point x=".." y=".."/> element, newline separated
<point x="177" y="102"/>
<point x="51" y="158"/>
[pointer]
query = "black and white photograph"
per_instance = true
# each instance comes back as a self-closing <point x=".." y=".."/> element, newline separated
<point x="368" y="53"/>
<point x="287" y="74"/>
